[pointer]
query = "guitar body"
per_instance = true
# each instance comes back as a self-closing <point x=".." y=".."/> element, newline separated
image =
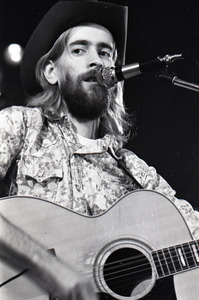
<point x="140" y="222"/>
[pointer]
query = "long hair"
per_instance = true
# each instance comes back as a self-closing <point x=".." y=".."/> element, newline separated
<point x="115" y="121"/>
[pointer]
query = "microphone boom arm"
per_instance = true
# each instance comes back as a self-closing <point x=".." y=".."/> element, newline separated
<point x="179" y="82"/>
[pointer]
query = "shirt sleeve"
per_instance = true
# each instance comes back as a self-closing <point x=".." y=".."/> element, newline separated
<point x="12" y="131"/>
<point x="148" y="177"/>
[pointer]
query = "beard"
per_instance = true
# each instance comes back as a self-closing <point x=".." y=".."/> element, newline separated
<point x="85" y="103"/>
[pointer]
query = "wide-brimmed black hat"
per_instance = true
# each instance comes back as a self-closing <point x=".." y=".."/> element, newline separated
<point x="62" y="16"/>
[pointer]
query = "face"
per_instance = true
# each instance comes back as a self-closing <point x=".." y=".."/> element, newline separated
<point x="89" y="48"/>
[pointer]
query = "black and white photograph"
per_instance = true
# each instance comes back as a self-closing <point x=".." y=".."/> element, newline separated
<point x="99" y="150"/>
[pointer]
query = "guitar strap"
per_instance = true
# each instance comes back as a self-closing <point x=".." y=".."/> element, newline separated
<point x="124" y="168"/>
<point x="7" y="181"/>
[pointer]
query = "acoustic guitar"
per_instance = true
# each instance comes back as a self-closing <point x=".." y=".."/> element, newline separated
<point x="140" y="239"/>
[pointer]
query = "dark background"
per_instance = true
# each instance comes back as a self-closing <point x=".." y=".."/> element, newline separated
<point x="167" y="116"/>
<point x="167" y="123"/>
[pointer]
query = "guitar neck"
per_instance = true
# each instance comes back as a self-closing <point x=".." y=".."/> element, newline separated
<point x="176" y="259"/>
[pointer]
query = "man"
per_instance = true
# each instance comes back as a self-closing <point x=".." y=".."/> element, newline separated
<point x="66" y="146"/>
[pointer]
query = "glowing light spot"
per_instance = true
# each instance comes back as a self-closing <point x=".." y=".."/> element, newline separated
<point x="13" y="54"/>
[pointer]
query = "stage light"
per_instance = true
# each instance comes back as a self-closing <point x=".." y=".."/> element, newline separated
<point x="13" y="54"/>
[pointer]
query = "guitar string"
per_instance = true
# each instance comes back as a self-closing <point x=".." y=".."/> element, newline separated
<point x="117" y="279"/>
<point x="158" y="250"/>
<point x="133" y="278"/>
<point x="127" y="274"/>
<point x="140" y="266"/>
<point x="123" y="283"/>
<point x="140" y="258"/>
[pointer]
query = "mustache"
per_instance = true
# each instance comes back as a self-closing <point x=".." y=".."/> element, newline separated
<point x="90" y="75"/>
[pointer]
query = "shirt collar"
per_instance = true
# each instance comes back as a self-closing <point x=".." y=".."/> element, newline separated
<point x="97" y="146"/>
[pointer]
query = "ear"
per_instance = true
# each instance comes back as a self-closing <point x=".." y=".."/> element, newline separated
<point x="50" y="72"/>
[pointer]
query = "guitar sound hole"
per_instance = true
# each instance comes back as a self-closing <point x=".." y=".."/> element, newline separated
<point x="125" y="269"/>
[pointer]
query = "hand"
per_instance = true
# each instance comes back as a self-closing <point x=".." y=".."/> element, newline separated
<point x="56" y="277"/>
<point x="63" y="283"/>
<point x="82" y="291"/>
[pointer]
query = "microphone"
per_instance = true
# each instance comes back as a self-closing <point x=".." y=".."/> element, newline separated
<point x="109" y="76"/>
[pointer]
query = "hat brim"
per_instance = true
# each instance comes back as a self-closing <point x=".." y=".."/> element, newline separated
<point x="62" y="16"/>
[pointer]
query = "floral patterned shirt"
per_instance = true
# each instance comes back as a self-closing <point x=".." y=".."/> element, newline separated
<point x="52" y="163"/>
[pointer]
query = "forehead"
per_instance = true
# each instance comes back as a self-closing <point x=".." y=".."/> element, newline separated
<point x="93" y="33"/>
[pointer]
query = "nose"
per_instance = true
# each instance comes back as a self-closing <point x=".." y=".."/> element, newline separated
<point x="95" y="64"/>
<point x="95" y="60"/>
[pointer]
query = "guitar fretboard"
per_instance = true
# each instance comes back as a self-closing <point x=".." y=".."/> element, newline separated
<point x="176" y="259"/>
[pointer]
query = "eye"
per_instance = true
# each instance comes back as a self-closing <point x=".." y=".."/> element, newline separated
<point x="105" y="54"/>
<point x="78" y="51"/>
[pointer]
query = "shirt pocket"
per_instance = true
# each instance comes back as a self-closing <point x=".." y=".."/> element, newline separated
<point x="40" y="169"/>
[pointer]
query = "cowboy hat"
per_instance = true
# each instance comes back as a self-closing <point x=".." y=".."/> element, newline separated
<point x="62" y="16"/>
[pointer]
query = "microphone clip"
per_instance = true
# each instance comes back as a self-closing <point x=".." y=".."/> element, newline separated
<point x="170" y="58"/>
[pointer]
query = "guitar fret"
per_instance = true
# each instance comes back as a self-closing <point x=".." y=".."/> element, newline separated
<point x="197" y="244"/>
<point x="176" y="260"/>
<point x="158" y="265"/>
<point x="188" y="255"/>
<point x="173" y="257"/>
<point x="181" y="256"/>
<point x="195" y="252"/>
<point x="163" y="262"/>
<point x="169" y="261"/>
<point x="192" y="253"/>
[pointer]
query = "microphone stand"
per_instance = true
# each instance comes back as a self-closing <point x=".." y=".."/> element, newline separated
<point x="179" y="82"/>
